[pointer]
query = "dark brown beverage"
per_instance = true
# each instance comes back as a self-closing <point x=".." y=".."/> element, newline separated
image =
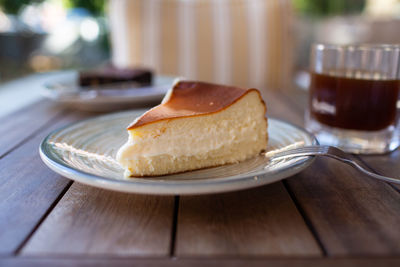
<point x="356" y="104"/>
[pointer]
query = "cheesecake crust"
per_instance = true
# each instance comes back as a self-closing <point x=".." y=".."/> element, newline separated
<point x="191" y="98"/>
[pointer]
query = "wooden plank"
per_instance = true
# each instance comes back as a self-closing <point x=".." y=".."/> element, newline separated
<point x="351" y="213"/>
<point x="387" y="164"/>
<point x="261" y="221"/>
<point x="27" y="189"/>
<point x="93" y="221"/>
<point x="23" y="123"/>
<point x="201" y="262"/>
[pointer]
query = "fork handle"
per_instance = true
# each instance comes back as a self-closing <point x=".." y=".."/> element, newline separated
<point x="361" y="169"/>
<point x="335" y="153"/>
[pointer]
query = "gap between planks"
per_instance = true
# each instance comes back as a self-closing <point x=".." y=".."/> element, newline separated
<point x="261" y="221"/>
<point x="280" y="100"/>
<point x="24" y="203"/>
<point x="41" y="220"/>
<point x="360" y="214"/>
<point x="92" y="221"/>
<point x="307" y="221"/>
<point x="174" y="225"/>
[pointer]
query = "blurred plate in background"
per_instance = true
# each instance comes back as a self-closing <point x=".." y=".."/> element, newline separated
<point x="65" y="89"/>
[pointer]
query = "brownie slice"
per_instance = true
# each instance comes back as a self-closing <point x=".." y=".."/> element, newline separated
<point x="112" y="74"/>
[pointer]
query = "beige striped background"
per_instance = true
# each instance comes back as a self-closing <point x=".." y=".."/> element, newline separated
<point x="242" y="42"/>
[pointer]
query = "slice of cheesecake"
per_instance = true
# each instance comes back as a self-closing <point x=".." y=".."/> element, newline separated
<point x="197" y="125"/>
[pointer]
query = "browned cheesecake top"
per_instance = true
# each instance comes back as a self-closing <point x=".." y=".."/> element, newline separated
<point x="190" y="98"/>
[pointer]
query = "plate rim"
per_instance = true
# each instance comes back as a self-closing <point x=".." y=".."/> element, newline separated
<point x="181" y="187"/>
<point x="46" y="92"/>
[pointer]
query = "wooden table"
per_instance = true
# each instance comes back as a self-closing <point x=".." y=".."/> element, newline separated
<point x="328" y="215"/>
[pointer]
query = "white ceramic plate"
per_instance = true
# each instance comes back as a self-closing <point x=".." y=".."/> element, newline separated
<point x="63" y="88"/>
<point x="85" y="152"/>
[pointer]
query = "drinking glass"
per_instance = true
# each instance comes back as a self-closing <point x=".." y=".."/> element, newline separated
<point x="353" y="97"/>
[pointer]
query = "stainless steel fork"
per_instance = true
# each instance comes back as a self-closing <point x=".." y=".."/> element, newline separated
<point x="332" y="152"/>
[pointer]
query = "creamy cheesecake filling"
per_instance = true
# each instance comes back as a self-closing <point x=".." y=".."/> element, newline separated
<point x="228" y="136"/>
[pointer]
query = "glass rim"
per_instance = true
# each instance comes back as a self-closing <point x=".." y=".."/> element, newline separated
<point x="355" y="46"/>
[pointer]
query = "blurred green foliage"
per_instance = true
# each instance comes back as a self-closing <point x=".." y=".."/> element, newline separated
<point x="95" y="7"/>
<point x="14" y="6"/>
<point x="323" y="8"/>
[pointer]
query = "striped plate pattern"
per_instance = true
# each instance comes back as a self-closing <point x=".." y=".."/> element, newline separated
<point x="85" y="152"/>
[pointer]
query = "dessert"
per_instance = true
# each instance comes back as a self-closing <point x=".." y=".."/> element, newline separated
<point x="197" y="125"/>
<point x="111" y="74"/>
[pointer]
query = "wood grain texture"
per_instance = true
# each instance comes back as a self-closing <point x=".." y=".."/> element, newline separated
<point x="351" y="213"/>
<point x="19" y="125"/>
<point x="201" y="262"/>
<point x="388" y="164"/>
<point x="261" y="221"/>
<point x="27" y="189"/>
<point x="93" y="221"/>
